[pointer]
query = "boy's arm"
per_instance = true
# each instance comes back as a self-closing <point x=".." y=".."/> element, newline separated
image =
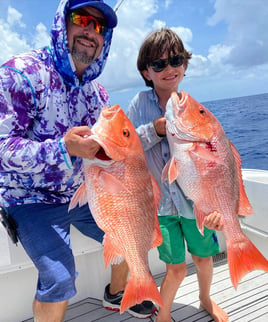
<point x="146" y="131"/>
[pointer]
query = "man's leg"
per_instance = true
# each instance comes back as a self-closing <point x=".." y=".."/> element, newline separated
<point x="119" y="274"/>
<point x="49" y="312"/>
<point x="43" y="231"/>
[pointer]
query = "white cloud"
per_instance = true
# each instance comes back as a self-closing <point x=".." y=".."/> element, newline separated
<point x="130" y="33"/>
<point x="133" y="26"/>
<point x="12" y="38"/>
<point x="11" y="41"/>
<point x="42" y="37"/>
<point x="14" y="17"/>
<point x="247" y="30"/>
<point x="241" y="53"/>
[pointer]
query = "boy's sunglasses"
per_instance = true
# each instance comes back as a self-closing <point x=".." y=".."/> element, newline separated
<point x="85" y="20"/>
<point x="160" y="64"/>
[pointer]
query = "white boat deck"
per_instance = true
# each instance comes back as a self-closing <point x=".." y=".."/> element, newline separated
<point x="248" y="303"/>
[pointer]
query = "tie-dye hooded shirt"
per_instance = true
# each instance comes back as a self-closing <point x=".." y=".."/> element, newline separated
<point x="41" y="98"/>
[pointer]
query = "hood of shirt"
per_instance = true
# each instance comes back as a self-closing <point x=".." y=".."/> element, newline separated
<point x="61" y="53"/>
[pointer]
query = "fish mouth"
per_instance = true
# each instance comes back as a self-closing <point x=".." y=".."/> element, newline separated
<point x="101" y="155"/>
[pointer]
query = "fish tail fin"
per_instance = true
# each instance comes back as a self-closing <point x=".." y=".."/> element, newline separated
<point x="139" y="291"/>
<point x="244" y="257"/>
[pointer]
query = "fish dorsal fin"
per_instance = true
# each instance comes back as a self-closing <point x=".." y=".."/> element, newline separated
<point x="156" y="191"/>
<point x="79" y="198"/>
<point x="157" y="238"/>
<point x="244" y="207"/>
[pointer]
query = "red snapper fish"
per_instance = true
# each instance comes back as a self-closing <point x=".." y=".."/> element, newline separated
<point x="123" y="197"/>
<point x="207" y="167"/>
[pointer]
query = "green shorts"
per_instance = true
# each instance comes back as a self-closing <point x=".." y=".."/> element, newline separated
<point x="176" y="231"/>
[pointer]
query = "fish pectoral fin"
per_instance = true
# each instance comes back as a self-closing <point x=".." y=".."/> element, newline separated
<point x="170" y="171"/>
<point x="164" y="176"/>
<point x="244" y="207"/>
<point x="111" y="183"/>
<point x="80" y="197"/>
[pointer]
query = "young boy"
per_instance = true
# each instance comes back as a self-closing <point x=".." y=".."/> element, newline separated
<point x="162" y="63"/>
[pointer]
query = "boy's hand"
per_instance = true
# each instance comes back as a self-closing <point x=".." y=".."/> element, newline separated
<point x="160" y="126"/>
<point x="214" y="221"/>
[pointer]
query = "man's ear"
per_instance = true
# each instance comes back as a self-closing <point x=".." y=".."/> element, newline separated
<point x="146" y="74"/>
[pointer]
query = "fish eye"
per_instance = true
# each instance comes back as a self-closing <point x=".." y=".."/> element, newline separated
<point x="126" y="133"/>
<point x="202" y="111"/>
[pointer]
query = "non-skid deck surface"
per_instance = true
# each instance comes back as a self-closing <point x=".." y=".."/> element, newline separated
<point x="246" y="304"/>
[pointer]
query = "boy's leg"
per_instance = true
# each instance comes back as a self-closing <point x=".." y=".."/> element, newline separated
<point x="172" y="252"/>
<point x="202" y="248"/>
<point x="174" y="276"/>
<point x="204" y="274"/>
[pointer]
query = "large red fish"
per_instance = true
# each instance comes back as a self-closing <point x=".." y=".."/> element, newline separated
<point x="123" y="197"/>
<point x="207" y="167"/>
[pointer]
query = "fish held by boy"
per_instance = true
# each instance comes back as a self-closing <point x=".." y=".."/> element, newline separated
<point x="123" y="197"/>
<point x="207" y="166"/>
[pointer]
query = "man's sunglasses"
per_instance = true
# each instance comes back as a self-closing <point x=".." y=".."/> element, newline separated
<point x="160" y="64"/>
<point x="84" y="20"/>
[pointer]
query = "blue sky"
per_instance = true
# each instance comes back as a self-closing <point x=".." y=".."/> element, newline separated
<point x="228" y="40"/>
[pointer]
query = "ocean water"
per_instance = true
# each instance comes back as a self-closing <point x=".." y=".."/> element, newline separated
<point x="245" y="122"/>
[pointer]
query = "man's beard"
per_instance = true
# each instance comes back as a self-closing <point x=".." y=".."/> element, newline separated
<point x="82" y="56"/>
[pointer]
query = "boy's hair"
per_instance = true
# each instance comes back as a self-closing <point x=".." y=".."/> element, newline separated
<point x="155" y="45"/>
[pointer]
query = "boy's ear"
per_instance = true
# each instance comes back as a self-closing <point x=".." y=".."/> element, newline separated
<point x="146" y="74"/>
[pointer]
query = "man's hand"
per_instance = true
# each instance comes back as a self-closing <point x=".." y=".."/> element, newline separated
<point x="160" y="126"/>
<point x="214" y="221"/>
<point x="79" y="143"/>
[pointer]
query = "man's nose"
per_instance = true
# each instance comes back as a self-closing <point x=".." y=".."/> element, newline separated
<point x="90" y="27"/>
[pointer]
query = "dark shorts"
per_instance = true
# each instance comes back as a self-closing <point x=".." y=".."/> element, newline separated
<point x="176" y="231"/>
<point x="44" y="231"/>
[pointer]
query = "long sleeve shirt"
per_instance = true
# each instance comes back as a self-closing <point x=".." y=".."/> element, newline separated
<point x="41" y="98"/>
<point x="143" y="109"/>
